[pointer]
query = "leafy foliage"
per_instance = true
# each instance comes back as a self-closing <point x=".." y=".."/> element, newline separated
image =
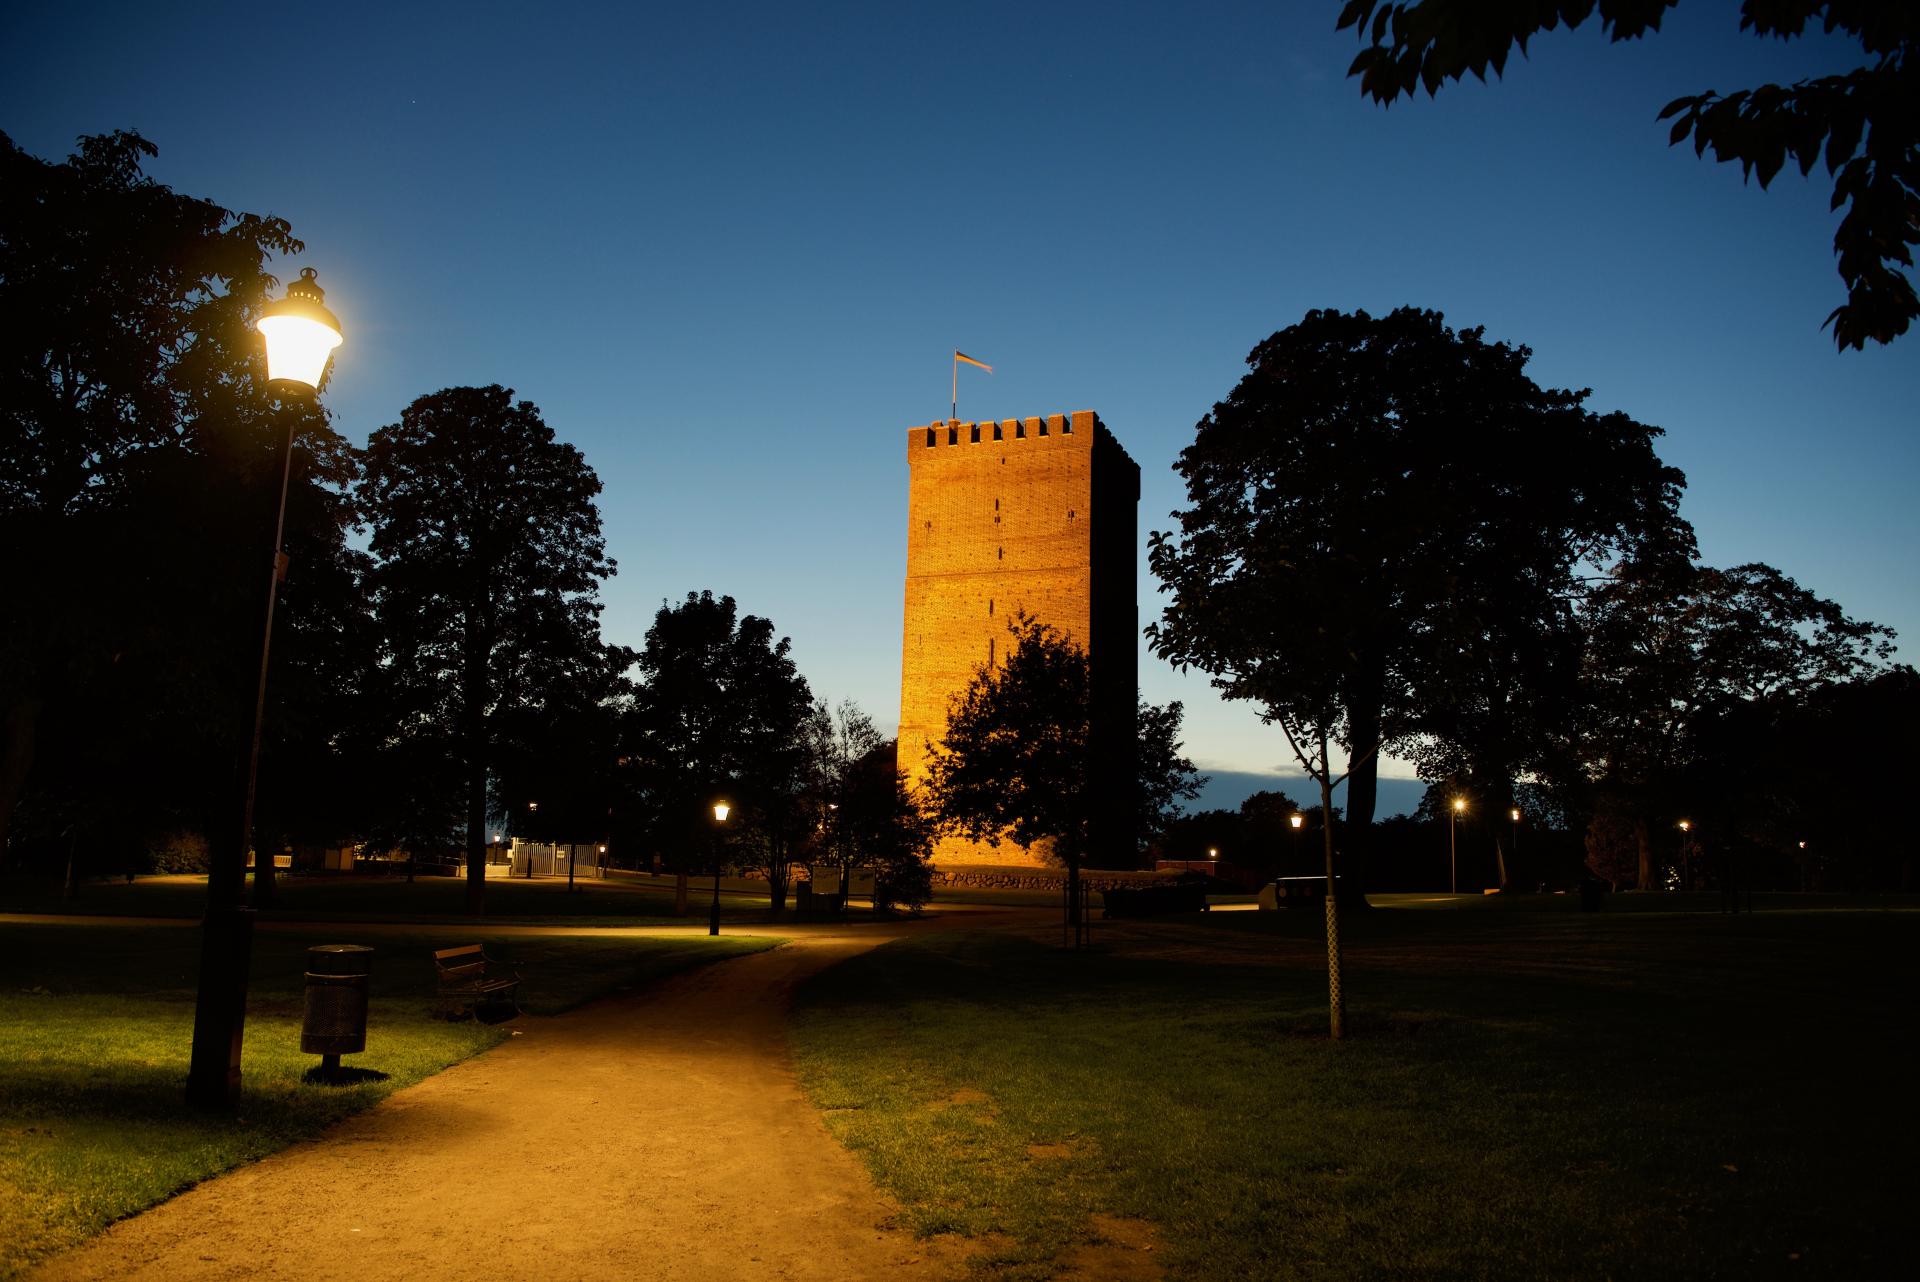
<point x="1014" y="758"/>
<point x="490" y="558"/>
<point x="1165" y="777"/>
<point x="722" y="712"/>
<point x="139" y="462"/>
<point x="1860" y="124"/>
<point x="866" y="817"/>
<point x="1386" y="527"/>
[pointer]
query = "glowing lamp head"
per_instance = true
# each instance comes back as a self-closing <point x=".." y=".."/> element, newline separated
<point x="1686" y="826"/>
<point x="1212" y="853"/>
<point x="603" y="850"/>
<point x="1514" y="814"/>
<point x="301" y="334"/>
<point x="720" y="811"/>
<point x="1459" y="804"/>
<point x="1296" y="822"/>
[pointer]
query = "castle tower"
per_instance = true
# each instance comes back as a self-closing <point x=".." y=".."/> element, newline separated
<point x="1035" y="515"/>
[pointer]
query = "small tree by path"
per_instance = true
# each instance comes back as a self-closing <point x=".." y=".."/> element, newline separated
<point x="1015" y="758"/>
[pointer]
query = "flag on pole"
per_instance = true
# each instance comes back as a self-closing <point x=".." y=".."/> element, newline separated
<point x="954" y="409"/>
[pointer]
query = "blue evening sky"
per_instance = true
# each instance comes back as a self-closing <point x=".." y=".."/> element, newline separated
<point x="727" y="249"/>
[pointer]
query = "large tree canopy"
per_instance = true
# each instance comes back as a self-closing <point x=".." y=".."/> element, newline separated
<point x="722" y="712"/>
<point x="138" y="472"/>
<point x="1015" y="759"/>
<point x="1386" y="528"/>
<point x="1672" y="648"/>
<point x="1864" y="124"/>
<point x="490" y="560"/>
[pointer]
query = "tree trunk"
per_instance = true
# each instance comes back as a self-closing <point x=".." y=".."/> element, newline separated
<point x="1363" y="780"/>
<point x="1336" y="996"/>
<point x="70" y="888"/>
<point x="18" y="737"/>
<point x="476" y="839"/>
<point x="473" y="713"/>
<point x="1643" y="840"/>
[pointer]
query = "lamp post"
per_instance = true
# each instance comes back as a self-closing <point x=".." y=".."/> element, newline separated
<point x="1514" y="814"/>
<point x="1453" y="858"/>
<point x="1296" y="821"/>
<point x="300" y="335"/>
<point x="1686" y="856"/>
<point x="720" y="810"/>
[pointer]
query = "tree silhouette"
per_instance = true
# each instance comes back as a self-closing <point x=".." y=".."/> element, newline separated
<point x="489" y="562"/>
<point x="1014" y="758"/>
<point x="1668" y="647"/>
<point x="1396" y="508"/>
<point x="138" y="462"/>
<point x="1860" y="124"/>
<point x="722" y="711"/>
<point x="1165" y="777"/>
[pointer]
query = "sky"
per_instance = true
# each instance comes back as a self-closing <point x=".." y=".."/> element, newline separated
<point x="728" y="249"/>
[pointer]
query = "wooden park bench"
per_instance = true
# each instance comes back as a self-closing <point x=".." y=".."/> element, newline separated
<point x="470" y="984"/>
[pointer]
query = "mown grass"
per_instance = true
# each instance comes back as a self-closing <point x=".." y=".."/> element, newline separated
<point x="96" y="1025"/>
<point x="621" y="900"/>
<point x="1522" y="1094"/>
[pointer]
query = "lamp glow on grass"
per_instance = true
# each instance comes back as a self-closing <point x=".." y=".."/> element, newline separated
<point x="1523" y="1094"/>
<point x="98" y="1023"/>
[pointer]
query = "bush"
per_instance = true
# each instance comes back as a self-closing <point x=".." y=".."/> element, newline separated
<point x="178" y="852"/>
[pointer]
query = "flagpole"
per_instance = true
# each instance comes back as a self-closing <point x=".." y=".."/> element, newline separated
<point x="955" y="408"/>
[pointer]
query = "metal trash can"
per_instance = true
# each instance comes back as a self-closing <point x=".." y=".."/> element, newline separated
<point x="336" y="1022"/>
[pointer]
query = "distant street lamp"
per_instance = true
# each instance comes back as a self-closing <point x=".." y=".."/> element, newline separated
<point x="720" y="811"/>
<point x="1514" y="814"/>
<point x="300" y="335"/>
<point x="1453" y="859"/>
<point x="1686" y="856"/>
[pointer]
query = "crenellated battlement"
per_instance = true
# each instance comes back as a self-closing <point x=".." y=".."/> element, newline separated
<point x="1082" y="427"/>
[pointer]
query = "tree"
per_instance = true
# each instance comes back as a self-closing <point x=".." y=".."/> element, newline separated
<point x="1015" y="758"/>
<point x="1165" y="777"/>
<point x="881" y="829"/>
<point x="1860" y="123"/>
<point x="1400" y="509"/>
<point x="132" y="392"/>
<point x="1668" y="646"/>
<point x="489" y="561"/>
<point x="722" y="710"/>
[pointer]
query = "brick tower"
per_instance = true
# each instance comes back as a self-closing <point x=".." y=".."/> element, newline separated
<point x="1024" y="514"/>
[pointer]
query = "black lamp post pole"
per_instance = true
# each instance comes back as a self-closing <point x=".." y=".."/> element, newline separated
<point x="226" y="949"/>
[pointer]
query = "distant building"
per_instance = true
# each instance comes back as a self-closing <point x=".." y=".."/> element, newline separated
<point x="1035" y="514"/>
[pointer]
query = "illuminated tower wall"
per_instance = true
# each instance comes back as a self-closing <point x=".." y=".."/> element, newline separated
<point x="1035" y="514"/>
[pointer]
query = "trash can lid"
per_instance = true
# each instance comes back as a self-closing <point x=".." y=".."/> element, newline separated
<point x="340" y="959"/>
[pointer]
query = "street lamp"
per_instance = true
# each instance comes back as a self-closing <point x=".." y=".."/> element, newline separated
<point x="300" y="335"/>
<point x="720" y="810"/>
<point x="1686" y="855"/>
<point x="1514" y="814"/>
<point x="1453" y="859"/>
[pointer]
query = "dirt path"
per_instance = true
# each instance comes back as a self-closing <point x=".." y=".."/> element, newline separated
<point x="659" y="1135"/>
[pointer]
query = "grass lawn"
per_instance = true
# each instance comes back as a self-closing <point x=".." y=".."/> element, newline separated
<point x="622" y="900"/>
<point x="96" y="1023"/>
<point x="1526" y="1091"/>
